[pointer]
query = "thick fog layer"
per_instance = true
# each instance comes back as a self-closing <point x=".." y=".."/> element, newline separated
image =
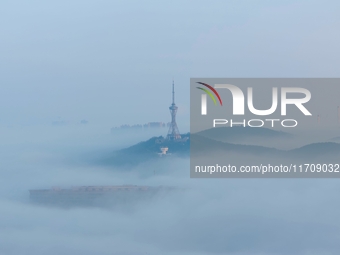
<point x="221" y="216"/>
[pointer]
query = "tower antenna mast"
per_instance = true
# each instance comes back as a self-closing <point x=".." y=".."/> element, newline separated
<point x="173" y="133"/>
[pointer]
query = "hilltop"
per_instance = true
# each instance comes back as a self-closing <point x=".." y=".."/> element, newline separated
<point x="149" y="150"/>
<point x="206" y="142"/>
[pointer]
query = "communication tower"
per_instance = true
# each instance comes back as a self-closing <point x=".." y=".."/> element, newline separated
<point x="173" y="133"/>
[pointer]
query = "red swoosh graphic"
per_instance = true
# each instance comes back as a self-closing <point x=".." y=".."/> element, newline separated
<point x="213" y="90"/>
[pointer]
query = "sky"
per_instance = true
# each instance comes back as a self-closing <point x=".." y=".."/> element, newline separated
<point x="108" y="61"/>
<point x="112" y="63"/>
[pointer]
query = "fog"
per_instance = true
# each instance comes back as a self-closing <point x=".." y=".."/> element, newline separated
<point x="112" y="63"/>
<point x="221" y="216"/>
